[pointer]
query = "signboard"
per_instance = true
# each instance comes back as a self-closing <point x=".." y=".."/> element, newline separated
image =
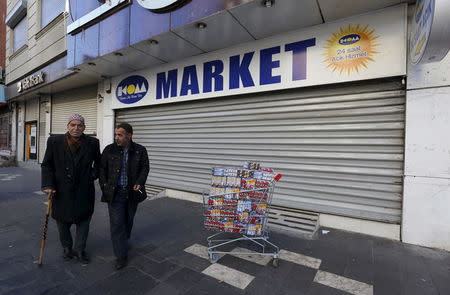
<point x="160" y="5"/>
<point x="31" y="81"/>
<point x="430" y="40"/>
<point x="358" y="48"/>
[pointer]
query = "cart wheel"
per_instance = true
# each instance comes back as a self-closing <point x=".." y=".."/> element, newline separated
<point x="213" y="257"/>
<point x="275" y="262"/>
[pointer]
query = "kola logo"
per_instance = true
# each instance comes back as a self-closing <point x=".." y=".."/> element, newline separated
<point x="132" y="89"/>
<point x="349" y="39"/>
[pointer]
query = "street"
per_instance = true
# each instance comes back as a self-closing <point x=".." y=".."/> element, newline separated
<point x="168" y="256"/>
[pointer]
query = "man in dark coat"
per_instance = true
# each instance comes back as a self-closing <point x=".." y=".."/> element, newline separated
<point x="123" y="173"/>
<point x="70" y="166"/>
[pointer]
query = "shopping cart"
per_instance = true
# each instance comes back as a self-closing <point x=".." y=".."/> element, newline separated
<point x="240" y="213"/>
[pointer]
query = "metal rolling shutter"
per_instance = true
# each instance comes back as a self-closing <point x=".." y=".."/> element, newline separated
<point x="82" y="101"/>
<point x="31" y="110"/>
<point x="42" y="144"/>
<point x="339" y="147"/>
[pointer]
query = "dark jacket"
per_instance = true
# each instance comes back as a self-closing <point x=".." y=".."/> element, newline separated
<point x="71" y="176"/>
<point x="138" y="168"/>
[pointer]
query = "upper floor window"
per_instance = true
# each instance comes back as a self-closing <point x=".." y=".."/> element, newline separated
<point x="20" y="34"/>
<point x="50" y="9"/>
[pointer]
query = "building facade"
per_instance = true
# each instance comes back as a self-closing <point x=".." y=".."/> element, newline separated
<point x="5" y="117"/>
<point x="325" y="94"/>
<point x="40" y="89"/>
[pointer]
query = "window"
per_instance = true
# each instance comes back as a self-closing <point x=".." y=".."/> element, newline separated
<point x="20" y="34"/>
<point x="50" y="9"/>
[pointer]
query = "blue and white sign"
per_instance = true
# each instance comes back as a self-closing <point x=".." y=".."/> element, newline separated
<point x="160" y="5"/>
<point x="430" y="40"/>
<point x="359" y="48"/>
<point x="131" y="89"/>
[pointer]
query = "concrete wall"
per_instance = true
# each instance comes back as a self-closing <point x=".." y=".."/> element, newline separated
<point x="2" y="33"/>
<point x="43" y="45"/>
<point x="20" y="144"/>
<point x="105" y="114"/>
<point x="426" y="208"/>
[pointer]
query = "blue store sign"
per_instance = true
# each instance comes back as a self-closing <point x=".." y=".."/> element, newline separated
<point x="132" y="89"/>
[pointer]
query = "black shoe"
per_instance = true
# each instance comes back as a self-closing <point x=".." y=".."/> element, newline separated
<point x="82" y="257"/>
<point x="120" y="263"/>
<point x="67" y="254"/>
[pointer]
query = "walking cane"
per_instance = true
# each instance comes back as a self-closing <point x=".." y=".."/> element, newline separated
<point x="44" y="234"/>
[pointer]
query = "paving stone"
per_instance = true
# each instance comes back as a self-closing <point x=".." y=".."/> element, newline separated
<point x="161" y="237"/>
<point x="207" y="286"/>
<point x="145" y="249"/>
<point x="157" y="256"/>
<point x="287" y="276"/>
<point x="319" y="289"/>
<point x="242" y="265"/>
<point x="15" y="265"/>
<point x="229" y="275"/>
<point x="87" y="275"/>
<point x="191" y="261"/>
<point x="343" y="283"/>
<point x="36" y="281"/>
<point x="138" y="283"/>
<point x="254" y="256"/>
<point x="198" y="250"/>
<point x="299" y="278"/>
<point x="301" y="259"/>
<point x="157" y="270"/>
<point x="352" y="259"/>
<point x="184" y="279"/>
<point x="163" y="289"/>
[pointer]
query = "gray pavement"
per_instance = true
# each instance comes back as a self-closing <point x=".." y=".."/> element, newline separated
<point x="166" y="256"/>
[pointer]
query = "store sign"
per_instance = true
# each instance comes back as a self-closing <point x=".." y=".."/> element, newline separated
<point x="359" y="48"/>
<point x="31" y="81"/>
<point x="132" y="89"/>
<point x="160" y="5"/>
<point x="430" y="40"/>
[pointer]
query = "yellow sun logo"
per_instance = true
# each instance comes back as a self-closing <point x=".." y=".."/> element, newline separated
<point x="350" y="49"/>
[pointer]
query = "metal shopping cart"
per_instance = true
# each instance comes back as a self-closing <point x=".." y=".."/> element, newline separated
<point x="237" y="207"/>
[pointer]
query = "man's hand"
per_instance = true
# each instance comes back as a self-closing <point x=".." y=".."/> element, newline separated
<point x="137" y="188"/>
<point x="49" y="191"/>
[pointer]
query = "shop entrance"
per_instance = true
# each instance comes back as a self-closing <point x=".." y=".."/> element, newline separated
<point x="339" y="147"/>
<point x="31" y="141"/>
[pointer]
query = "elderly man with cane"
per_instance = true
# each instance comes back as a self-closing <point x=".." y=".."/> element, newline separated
<point x="70" y="166"/>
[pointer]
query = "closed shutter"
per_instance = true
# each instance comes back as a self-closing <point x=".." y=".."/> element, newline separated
<point x="5" y="130"/>
<point x="81" y="101"/>
<point x="31" y="110"/>
<point x="42" y="145"/>
<point x="339" y="147"/>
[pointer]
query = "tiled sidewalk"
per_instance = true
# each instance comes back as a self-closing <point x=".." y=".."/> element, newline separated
<point x="168" y="256"/>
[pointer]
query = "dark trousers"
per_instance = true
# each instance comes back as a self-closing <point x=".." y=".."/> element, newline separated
<point x="121" y="216"/>
<point x="82" y="231"/>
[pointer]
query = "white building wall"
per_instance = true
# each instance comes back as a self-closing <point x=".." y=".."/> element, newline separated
<point x="105" y="114"/>
<point x="426" y="207"/>
<point x="14" y="130"/>
<point x="20" y="131"/>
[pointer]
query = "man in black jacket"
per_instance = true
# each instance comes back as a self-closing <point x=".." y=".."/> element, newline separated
<point x="69" y="168"/>
<point x="123" y="172"/>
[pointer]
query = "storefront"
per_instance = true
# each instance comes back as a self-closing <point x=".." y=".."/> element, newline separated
<point x="83" y="101"/>
<point x="31" y="133"/>
<point x="41" y="105"/>
<point x="324" y="105"/>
